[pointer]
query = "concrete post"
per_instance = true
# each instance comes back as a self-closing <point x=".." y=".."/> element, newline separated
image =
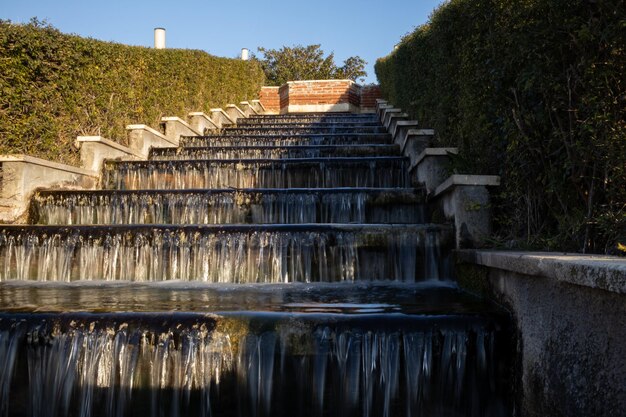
<point x="159" y="38"/>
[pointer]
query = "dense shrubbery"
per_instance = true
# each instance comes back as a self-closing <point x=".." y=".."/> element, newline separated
<point x="532" y="90"/>
<point x="54" y="87"/>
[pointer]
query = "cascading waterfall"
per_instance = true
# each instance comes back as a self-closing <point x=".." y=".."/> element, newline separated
<point x="270" y="152"/>
<point x="229" y="206"/>
<point x="219" y="254"/>
<point x="227" y="364"/>
<point x="285" y="140"/>
<point x="294" y="173"/>
<point x="279" y="268"/>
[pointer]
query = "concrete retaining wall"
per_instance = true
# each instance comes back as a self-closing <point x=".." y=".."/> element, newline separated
<point x="570" y="313"/>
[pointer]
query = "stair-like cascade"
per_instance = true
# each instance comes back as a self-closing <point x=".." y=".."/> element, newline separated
<point x="222" y="206"/>
<point x="285" y="267"/>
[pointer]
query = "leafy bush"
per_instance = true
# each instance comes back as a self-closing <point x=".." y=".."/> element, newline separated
<point x="307" y="63"/>
<point x="54" y="87"/>
<point x="532" y="90"/>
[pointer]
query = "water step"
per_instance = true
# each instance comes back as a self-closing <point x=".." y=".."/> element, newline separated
<point x="380" y="172"/>
<point x="295" y="130"/>
<point x="297" y="123"/>
<point x="253" y="364"/>
<point x="285" y="140"/>
<point x="320" y="117"/>
<point x="275" y="152"/>
<point x="226" y="253"/>
<point x="331" y="205"/>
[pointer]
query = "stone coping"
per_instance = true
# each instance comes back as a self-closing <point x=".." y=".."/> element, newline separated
<point x="457" y="179"/>
<point x="319" y="81"/>
<point x="223" y="113"/>
<point x="428" y="152"/>
<point x="99" y="139"/>
<point x="595" y="271"/>
<point x="259" y="103"/>
<point x="234" y="106"/>
<point x="421" y="132"/>
<point x="48" y="164"/>
<point x="179" y="120"/>
<point x="149" y="129"/>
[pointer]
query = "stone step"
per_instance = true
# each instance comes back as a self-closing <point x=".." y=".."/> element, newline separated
<point x="295" y="130"/>
<point x="226" y="253"/>
<point x="272" y="152"/>
<point x="341" y="205"/>
<point x="297" y="361"/>
<point x="286" y="140"/>
<point x="315" y="116"/>
<point x="298" y="123"/>
<point x="381" y="172"/>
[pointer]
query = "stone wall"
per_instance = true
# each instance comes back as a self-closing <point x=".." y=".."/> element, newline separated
<point x="570" y="313"/>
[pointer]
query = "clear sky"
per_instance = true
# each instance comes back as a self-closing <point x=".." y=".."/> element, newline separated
<point x="366" y="28"/>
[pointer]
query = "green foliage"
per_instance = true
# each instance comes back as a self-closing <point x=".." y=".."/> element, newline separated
<point x="532" y="90"/>
<point x="306" y="63"/>
<point x="54" y="87"/>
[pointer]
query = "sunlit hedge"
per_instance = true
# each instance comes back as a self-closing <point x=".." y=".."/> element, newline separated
<point x="54" y="87"/>
<point x="532" y="90"/>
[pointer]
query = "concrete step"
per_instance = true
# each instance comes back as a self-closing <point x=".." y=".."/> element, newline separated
<point x="295" y="130"/>
<point x="293" y="205"/>
<point x="273" y="152"/>
<point x="286" y="139"/>
<point x="383" y="172"/>
<point x="226" y="253"/>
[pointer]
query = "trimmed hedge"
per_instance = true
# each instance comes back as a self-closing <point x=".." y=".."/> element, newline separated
<point x="532" y="90"/>
<point x="54" y="87"/>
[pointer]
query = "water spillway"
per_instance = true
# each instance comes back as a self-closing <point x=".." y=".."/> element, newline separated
<point x="224" y="206"/>
<point x="381" y="171"/>
<point x="284" y="267"/>
<point x="273" y="152"/>
<point x="285" y="139"/>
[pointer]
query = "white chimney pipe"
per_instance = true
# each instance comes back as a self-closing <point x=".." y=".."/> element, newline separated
<point x="159" y="38"/>
<point x="245" y="54"/>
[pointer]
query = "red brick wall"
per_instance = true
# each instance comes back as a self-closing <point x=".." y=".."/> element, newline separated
<point x="270" y="99"/>
<point x="369" y="94"/>
<point x="319" y="92"/>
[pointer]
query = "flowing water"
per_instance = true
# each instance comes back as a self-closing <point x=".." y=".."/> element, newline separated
<point x="281" y="268"/>
<point x="352" y="205"/>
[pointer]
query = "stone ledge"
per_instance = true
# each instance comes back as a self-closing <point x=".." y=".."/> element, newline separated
<point x="595" y="271"/>
<point x="429" y="152"/>
<point x="400" y="124"/>
<point x="150" y="130"/>
<point x="232" y="108"/>
<point x="457" y="179"/>
<point x="178" y="120"/>
<point x="248" y="108"/>
<point x="201" y="122"/>
<point x="112" y="144"/>
<point x="319" y="81"/>
<point x="95" y="149"/>
<point x="48" y="164"/>
<point x="220" y="118"/>
<point x="258" y="103"/>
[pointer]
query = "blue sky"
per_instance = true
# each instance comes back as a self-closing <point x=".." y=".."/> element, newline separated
<point x="366" y="28"/>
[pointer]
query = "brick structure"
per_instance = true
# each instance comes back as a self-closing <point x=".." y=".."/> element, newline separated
<point x="270" y="99"/>
<point x="369" y="94"/>
<point x="320" y="96"/>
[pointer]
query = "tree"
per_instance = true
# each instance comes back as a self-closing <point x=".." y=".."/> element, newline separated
<point x="306" y="63"/>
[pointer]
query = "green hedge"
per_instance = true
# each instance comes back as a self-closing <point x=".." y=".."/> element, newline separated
<point x="54" y="87"/>
<point x="532" y="90"/>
